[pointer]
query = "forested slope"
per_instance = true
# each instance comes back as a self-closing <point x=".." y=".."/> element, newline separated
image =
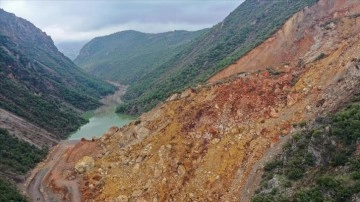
<point x="127" y="56"/>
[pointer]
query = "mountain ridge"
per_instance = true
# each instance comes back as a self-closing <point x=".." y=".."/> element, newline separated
<point x="247" y="26"/>
<point x="42" y="96"/>
<point x="33" y="72"/>
<point x="207" y="142"/>
<point x="127" y="56"/>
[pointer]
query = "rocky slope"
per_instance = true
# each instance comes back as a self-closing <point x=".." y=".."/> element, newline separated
<point x="210" y="143"/>
<point x="247" y="26"/>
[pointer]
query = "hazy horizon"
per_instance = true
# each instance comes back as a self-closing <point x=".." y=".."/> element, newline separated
<point x="67" y="21"/>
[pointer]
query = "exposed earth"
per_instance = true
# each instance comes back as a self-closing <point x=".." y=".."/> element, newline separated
<point x="210" y="143"/>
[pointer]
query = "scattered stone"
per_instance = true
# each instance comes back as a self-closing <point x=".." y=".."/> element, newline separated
<point x="181" y="170"/>
<point x="136" y="167"/>
<point x="122" y="198"/>
<point x="136" y="193"/>
<point x="173" y="97"/>
<point x="85" y="164"/>
<point x="274" y="113"/>
<point x="215" y="141"/>
<point x="308" y="108"/>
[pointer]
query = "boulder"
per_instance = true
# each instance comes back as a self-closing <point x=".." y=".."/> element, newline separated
<point x="85" y="164"/>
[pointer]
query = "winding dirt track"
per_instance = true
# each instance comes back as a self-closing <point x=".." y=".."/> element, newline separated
<point x="35" y="185"/>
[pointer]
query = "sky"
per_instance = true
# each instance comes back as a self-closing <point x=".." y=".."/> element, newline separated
<point x="80" y="20"/>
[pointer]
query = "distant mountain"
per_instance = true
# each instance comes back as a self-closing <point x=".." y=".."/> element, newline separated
<point x="129" y="55"/>
<point x="245" y="28"/>
<point x="38" y="83"/>
<point x="70" y="49"/>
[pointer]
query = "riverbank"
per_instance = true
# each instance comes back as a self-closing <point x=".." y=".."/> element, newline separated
<point x="103" y="118"/>
<point x="57" y="170"/>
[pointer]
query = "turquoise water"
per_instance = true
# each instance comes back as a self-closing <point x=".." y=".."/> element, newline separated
<point x="101" y="119"/>
<point x="99" y="124"/>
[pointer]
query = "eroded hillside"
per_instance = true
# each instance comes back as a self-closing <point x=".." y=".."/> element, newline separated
<point x="209" y="143"/>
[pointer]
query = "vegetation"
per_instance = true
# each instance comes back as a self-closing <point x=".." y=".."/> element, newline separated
<point x="16" y="157"/>
<point x="38" y="83"/>
<point x="8" y="193"/>
<point x="245" y="28"/>
<point x="128" y="55"/>
<point x="318" y="164"/>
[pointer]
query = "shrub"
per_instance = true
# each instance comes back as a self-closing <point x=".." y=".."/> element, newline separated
<point x="295" y="173"/>
<point x="273" y="164"/>
<point x="307" y="195"/>
<point x="327" y="181"/>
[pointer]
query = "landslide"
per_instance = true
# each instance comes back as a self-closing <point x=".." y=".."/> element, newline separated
<point x="247" y="26"/>
<point x="209" y="143"/>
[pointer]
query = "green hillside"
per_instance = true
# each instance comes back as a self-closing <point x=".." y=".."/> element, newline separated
<point x="39" y="83"/>
<point x="127" y="56"/>
<point x="320" y="163"/>
<point x="245" y="28"/>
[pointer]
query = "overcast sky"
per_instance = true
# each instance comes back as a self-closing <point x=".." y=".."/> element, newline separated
<point x="66" y="20"/>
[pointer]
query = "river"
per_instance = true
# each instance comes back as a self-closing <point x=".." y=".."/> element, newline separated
<point x="101" y="119"/>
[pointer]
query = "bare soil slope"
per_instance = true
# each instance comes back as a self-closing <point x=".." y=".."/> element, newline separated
<point x="206" y="143"/>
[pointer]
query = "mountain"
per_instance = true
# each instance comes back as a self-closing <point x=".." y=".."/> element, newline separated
<point x="214" y="141"/>
<point x="127" y="56"/>
<point x="42" y="94"/>
<point x="245" y="28"/>
<point x="70" y="49"/>
<point x="40" y="84"/>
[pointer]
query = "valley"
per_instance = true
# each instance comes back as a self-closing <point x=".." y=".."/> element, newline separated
<point x="263" y="108"/>
<point x="104" y="117"/>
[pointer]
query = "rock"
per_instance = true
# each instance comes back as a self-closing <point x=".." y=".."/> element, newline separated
<point x="113" y="130"/>
<point x="181" y="170"/>
<point x="274" y="182"/>
<point x="186" y="93"/>
<point x="85" y="164"/>
<point x="136" y="168"/>
<point x="215" y="141"/>
<point x="291" y="100"/>
<point x="141" y="131"/>
<point x="173" y="97"/>
<point x="308" y="108"/>
<point x="355" y="197"/>
<point x="122" y="198"/>
<point x="136" y="193"/>
<point x="274" y="113"/>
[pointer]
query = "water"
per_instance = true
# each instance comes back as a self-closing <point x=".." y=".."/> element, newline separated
<point x="101" y="119"/>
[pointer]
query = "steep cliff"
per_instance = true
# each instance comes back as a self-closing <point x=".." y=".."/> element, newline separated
<point x="42" y="94"/>
<point x="210" y="143"/>
<point x="39" y="85"/>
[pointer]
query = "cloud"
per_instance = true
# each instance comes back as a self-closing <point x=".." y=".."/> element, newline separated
<point x="86" y="19"/>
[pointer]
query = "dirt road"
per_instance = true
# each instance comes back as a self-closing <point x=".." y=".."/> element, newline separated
<point x="37" y="186"/>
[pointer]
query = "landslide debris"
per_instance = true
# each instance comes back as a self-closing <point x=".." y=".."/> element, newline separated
<point x="211" y="142"/>
<point x="85" y="164"/>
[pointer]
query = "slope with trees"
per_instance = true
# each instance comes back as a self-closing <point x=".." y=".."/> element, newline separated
<point x="246" y="27"/>
<point x="127" y="56"/>
<point x="39" y="83"/>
